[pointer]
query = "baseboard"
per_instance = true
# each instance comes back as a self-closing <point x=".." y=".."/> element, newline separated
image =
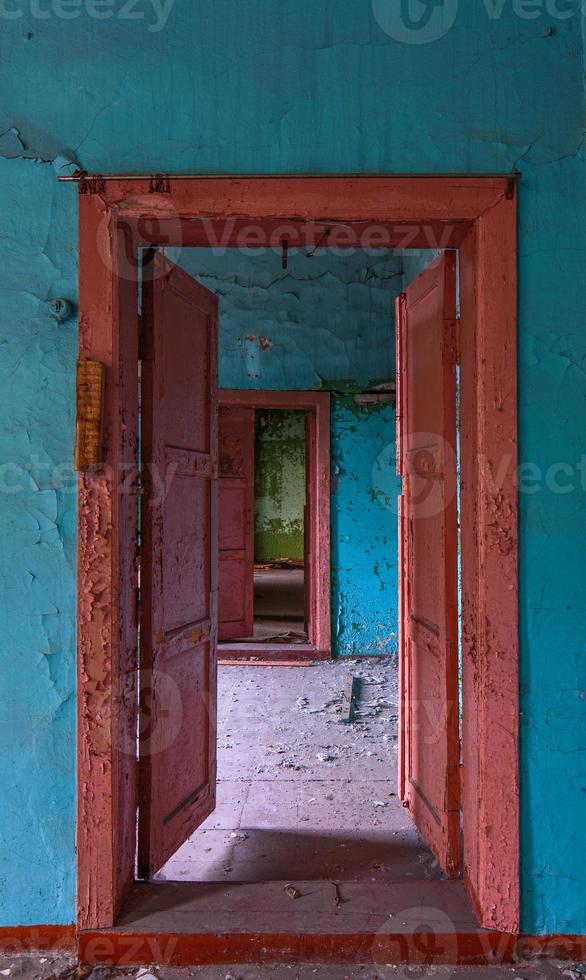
<point x="37" y="939"/>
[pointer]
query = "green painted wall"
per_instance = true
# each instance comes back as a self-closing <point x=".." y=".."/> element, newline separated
<point x="279" y="484"/>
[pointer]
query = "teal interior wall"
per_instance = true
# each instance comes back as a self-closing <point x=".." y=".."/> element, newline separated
<point x="295" y="86"/>
<point x="279" y="481"/>
<point x="364" y="528"/>
<point x="37" y="551"/>
<point x="296" y="329"/>
<point x="324" y="322"/>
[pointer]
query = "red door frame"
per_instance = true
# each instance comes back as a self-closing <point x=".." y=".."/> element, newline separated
<point x="317" y="405"/>
<point x="476" y="215"/>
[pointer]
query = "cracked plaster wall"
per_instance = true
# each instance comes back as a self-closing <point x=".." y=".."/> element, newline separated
<point x="306" y="87"/>
<point x="37" y="550"/>
<point x="365" y="489"/>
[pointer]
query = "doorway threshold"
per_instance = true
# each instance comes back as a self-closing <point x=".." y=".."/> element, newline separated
<point x="325" y="922"/>
<point x="270" y="651"/>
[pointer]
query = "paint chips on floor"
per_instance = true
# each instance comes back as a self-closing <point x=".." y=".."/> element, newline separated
<point x="300" y="793"/>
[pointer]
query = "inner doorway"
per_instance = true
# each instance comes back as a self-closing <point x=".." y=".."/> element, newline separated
<point x="273" y="524"/>
<point x="280" y="501"/>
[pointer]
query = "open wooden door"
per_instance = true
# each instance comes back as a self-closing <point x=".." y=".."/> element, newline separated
<point x="178" y="634"/>
<point x="429" y="752"/>
<point x="236" y="523"/>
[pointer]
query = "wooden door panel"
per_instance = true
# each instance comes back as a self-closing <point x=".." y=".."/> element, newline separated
<point x="236" y="522"/>
<point x="429" y="743"/>
<point x="186" y="552"/>
<point x="233" y="513"/>
<point x="177" y="719"/>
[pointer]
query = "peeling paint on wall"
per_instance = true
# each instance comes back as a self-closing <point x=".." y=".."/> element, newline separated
<point x="329" y="316"/>
<point x="364" y="529"/>
<point x="311" y="88"/>
<point x="279" y="476"/>
<point x="37" y="549"/>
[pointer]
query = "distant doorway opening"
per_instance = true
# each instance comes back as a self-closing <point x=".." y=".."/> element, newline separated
<point x="273" y="524"/>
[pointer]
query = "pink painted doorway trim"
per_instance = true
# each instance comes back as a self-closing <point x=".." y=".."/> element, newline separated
<point x="317" y="405"/>
<point x="478" y="214"/>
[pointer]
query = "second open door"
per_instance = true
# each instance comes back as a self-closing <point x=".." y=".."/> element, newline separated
<point x="429" y="773"/>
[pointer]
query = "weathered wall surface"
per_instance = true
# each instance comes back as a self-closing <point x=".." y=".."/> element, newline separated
<point x="37" y="550"/>
<point x="279" y="477"/>
<point x="322" y="323"/>
<point x="298" y="86"/>
<point x="364" y="528"/>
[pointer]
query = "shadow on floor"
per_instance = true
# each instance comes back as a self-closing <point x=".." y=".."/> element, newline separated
<point x="252" y="854"/>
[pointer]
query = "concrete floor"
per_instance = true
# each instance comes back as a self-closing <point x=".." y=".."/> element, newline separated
<point x="302" y="798"/>
<point x="301" y="795"/>
<point x="279" y="606"/>
<point x="51" y="968"/>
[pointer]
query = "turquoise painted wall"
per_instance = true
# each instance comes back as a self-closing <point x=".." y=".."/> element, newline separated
<point x="364" y="528"/>
<point x="37" y="550"/>
<point x="294" y="86"/>
<point x="323" y="321"/>
<point x="279" y="478"/>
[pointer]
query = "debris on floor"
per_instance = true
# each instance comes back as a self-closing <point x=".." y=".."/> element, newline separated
<point x="279" y="563"/>
<point x="299" y="793"/>
<point x="292" y="892"/>
<point x="350" y="699"/>
<point x="30" y="967"/>
<point x="289" y="636"/>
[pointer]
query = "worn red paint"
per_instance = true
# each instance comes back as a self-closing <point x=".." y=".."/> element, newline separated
<point x="112" y="224"/>
<point x="430" y="949"/>
<point x="16" y="940"/>
<point x="365" y="948"/>
<point x="428" y="533"/>
<point x="177" y="721"/>
<point x="236" y="523"/>
<point x="107" y="580"/>
<point x="488" y="434"/>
